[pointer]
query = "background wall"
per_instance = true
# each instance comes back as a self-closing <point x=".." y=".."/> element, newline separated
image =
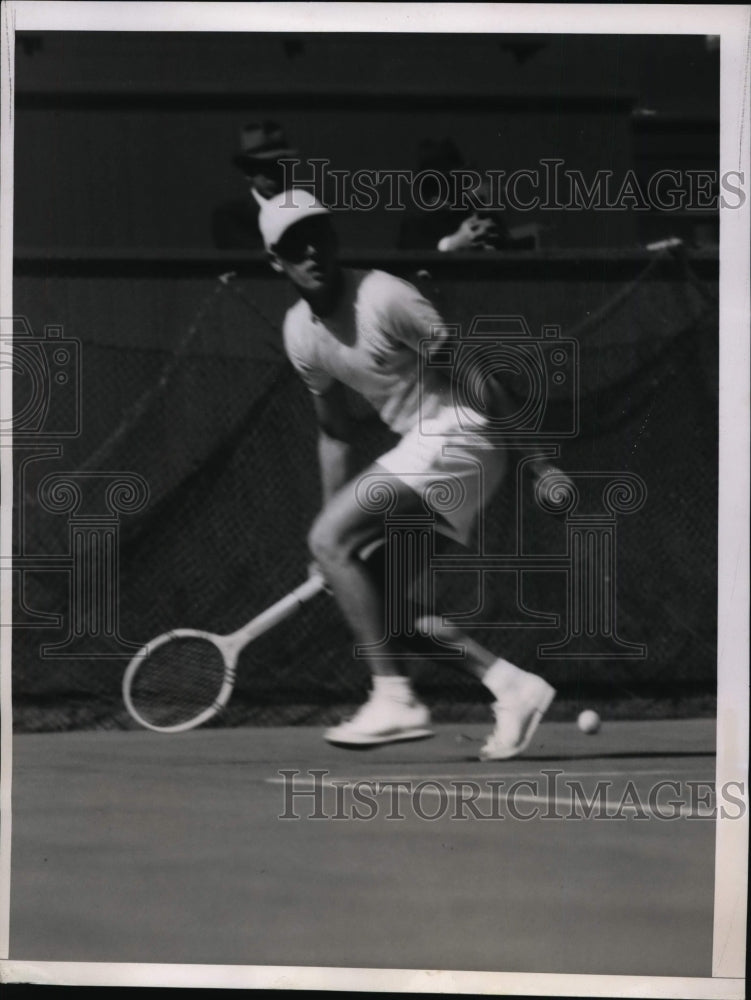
<point x="111" y="126"/>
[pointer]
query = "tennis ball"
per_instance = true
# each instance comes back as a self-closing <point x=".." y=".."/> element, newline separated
<point x="588" y="721"/>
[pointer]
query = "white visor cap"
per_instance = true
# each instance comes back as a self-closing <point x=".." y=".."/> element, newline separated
<point x="284" y="210"/>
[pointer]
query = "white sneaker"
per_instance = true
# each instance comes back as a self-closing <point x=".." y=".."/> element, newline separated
<point x="382" y="720"/>
<point x="517" y="715"/>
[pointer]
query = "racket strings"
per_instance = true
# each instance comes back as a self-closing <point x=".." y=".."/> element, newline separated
<point x="177" y="682"/>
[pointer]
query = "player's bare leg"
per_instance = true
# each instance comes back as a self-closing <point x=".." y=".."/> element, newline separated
<point x="340" y="532"/>
<point x="393" y="712"/>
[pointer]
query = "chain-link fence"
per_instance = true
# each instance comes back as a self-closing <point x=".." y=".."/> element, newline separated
<point x="226" y="444"/>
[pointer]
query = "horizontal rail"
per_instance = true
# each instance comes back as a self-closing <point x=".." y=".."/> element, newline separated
<point x="584" y="263"/>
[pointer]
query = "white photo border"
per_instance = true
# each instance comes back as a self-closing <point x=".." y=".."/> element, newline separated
<point x="733" y="24"/>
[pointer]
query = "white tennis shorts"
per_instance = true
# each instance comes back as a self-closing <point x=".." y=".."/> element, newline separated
<point x="454" y="471"/>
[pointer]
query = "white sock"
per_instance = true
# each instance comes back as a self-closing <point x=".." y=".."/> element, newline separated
<point x="502" y="677"/>
<point x="396" y="688"/>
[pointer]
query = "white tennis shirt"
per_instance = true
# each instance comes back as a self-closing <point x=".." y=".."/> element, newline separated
<point x="371" y="343"/>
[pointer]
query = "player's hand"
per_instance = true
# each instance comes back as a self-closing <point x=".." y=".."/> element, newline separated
<point x="314" y="570"/>
<point x="553" y="487"/>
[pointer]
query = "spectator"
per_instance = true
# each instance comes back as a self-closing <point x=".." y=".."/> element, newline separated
<point x="447" y="226"/>
<point x="234" y="224"/>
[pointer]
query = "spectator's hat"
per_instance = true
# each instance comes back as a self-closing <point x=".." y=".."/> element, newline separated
<point x="277" y="214"/>
<point x="261" y="143"/>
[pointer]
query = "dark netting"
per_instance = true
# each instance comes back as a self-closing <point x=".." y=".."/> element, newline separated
<point x="227" y="445"/>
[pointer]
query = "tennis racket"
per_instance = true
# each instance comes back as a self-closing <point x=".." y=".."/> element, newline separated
<point x="185" y="677"/>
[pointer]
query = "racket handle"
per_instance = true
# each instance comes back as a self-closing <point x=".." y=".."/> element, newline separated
<point x="279" y="611"/>
<point x="312" y="586"/>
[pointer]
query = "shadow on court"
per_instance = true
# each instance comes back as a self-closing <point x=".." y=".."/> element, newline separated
<point x="136" y="847"/>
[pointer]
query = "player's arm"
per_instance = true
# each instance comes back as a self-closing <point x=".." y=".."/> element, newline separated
<point x="499" y="403"/>
<point x="415" y="321"/>
<point x="335" y="431"/>
<point x="330" y="403"/>
<point x="475" y="381"/>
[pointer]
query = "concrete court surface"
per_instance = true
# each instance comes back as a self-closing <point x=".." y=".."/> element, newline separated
<point x="140" y="847"/>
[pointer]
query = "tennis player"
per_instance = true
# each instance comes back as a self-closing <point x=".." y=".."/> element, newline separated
<point x="362" y="330"/>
